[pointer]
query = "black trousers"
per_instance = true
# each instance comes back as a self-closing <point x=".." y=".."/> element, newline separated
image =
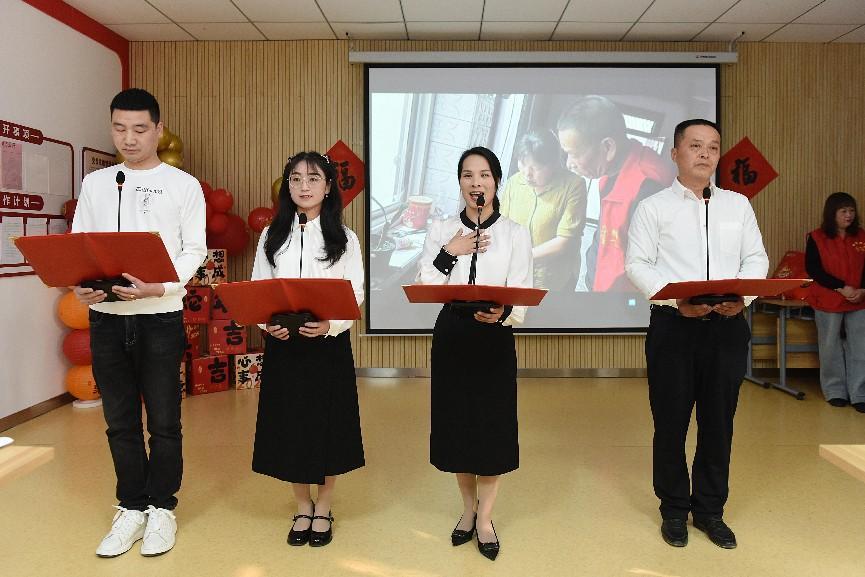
<point x="694" y="362"/>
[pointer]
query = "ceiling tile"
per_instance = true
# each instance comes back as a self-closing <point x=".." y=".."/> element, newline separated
<point x="369" y="30"/>
<point x="133" y="12"/>
<point x="726" y="31"/>
<point x="669" y="31"/>
<point x="605" y="10"/>
<point x="223" y="31"/>
<point x="857" y="35"/>
<point x="280" y="10"/>
<point x="810" y="32"/>
<point x="836" y="12"/>
<point x="685" y="11"/>
<point x="443" y="30"/>
<point x="517" y="30"/>
<point x="361" y="10"/>
<point x="169" y="32"/>
<point x="591" y="30"/>
<point x="442" y="10"/>
<point x="771" y="11"/>
<point x="520" y="11"/>
<point x="296" y="30"/>
<point x="199" y="10"/>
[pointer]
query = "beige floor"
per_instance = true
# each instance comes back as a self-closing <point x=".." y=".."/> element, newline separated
<point x="581" y="503"/>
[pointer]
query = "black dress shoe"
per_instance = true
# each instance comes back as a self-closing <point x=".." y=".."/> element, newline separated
<point x="839" y="402"/>
<point x="717" y="530"/>
<point x="675" y="532"/>
<point x="859" y="407"/>
<point x="460" y="537"/>
<point x="321" y="538"/>
<point x="489" y="550"/>
<point x="298" y="538"/>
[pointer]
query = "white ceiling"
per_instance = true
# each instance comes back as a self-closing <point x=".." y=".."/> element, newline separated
<point x="617" y="20"/>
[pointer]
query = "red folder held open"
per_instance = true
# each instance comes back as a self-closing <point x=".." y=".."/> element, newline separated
<point x="254" y="301"/>
<point x="436" y="293"/>
<point x="68" y="259"/>
<point x="760" y="287"/>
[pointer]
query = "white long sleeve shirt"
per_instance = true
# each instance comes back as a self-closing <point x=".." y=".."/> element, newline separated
<point x="667" y="240"/>
<point x="163" y="199"/>
<point x="287" y="258"/>
<point x="507" y="261"/>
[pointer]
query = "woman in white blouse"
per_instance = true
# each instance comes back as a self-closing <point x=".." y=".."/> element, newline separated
<point x="308" y="427"/>
<point x="474" y="362"/>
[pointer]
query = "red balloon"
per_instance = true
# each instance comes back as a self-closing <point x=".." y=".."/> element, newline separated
<point x="76" y="347"/>
<point x="221" y="200"/>
<point x="234" y="239"/>
<point x="205" y="188"/>
<point x="208" y="212"/>
<point x="218" y="223"/>
<point x="260" y="217"/>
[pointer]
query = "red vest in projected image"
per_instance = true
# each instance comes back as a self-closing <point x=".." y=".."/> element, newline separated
<point x="641" y="164"/>
<point x="843" y="258"/>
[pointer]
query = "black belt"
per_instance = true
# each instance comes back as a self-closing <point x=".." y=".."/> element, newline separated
<point x="712" y="316"/>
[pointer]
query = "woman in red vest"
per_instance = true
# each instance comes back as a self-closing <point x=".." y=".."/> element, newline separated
<point x="835" y="259"/>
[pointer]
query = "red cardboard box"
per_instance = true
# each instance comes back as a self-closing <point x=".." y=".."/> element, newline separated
<point x="217" y="309"/>
<point x="247" y="370"/>
<point x="194" y="339"/>
<point x="196" y="305"/>
<point x="213" y="270"/>
<point x="226" y="338"/>
<point x="209" y="375"/>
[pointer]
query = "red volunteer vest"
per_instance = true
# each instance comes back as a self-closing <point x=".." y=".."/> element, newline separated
<point x="843" y="258"/>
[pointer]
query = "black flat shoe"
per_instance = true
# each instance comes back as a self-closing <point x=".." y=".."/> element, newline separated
<point x="838" y="402"/>
<point x="675" y="532"/>
<point x="859" y="407"/>
<point x="321" y="538"/>
<point x="298" y="538"/>
<point x="717" y="530"/>
<point x="489" y="550"/>
<point x="460" y="537"/>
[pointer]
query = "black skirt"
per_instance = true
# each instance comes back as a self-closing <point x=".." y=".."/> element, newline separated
<point x="308" y="423"/>
<point x="474" y="397"/>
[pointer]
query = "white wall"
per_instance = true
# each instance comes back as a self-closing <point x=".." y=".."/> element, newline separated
<point x="59" y="81"/>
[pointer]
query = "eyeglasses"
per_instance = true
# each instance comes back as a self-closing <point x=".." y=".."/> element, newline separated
<point x="312" y="180"/>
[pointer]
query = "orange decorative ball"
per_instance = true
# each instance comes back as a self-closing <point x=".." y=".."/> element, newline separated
<point x="76" y="347"/>
<point x="72" y="312"/>
<point x="81" y="384"/>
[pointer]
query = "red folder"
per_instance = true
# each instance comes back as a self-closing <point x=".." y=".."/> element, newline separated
<point x="438" y="293"/>
<point x="760" y="287"/>
<point x="254" y="301"/>
<point x="68" y="259"/>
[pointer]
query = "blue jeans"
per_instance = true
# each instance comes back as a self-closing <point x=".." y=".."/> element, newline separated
<point x="842" y="361"/>
<point x="137" y="356"/>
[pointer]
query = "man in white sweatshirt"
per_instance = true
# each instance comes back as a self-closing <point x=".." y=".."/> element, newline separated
<point x="137" y="336"/>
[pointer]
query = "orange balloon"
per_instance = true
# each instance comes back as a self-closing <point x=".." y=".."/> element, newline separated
<point x="171" y="157"/>
<point x="164" y="139"/>
<point x="72" y="312"/>
<point x="81" y="384"/>
<point x="175" y="144"/>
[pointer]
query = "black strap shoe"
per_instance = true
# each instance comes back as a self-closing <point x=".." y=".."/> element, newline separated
<point x="298" y="538"/>
<point x="717" y="530"/>
<point x="321" y="538"/>
<point x="460" y="537"/>
<point x="489" y="550"/>
<point x="675" y="532"/>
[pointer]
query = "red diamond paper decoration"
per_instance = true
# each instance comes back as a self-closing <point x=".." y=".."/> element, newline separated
<point x="350" y="172"/>
<point x="745" y="170"/>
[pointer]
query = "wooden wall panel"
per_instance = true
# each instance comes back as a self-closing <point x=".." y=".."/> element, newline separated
<point x="242" y="107"/>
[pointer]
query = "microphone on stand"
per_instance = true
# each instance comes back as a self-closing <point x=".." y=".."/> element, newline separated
<point x="301" y="220"/>
<point x="473" y="270"/>
<point x="707" y="194"/>
<point x="120" y="179"/>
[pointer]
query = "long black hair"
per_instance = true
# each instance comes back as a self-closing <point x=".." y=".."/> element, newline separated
<point x="495" y="168"/>
<point x="835" y="202"/>
<point x="335" y="239"/>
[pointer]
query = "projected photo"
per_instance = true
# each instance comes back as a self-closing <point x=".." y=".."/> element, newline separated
<point x="579" y="147"/>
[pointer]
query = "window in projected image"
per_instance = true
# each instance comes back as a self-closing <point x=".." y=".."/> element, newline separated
<point x="579" y="148"/>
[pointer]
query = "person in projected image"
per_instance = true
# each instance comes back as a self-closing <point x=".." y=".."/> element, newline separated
<point x="551" y="203"/>
<point x="592" y="134"/>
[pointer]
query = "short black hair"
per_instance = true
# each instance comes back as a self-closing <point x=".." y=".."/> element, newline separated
<point x="679" y="132"/>
<point x="595" y="118"/>
<point x="136" y="99"/>
<point x="835" y="202"/>
<point x="543" y="146"/>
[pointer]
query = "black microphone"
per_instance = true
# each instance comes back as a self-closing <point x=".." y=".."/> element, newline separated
<point x="707" y="194"/>
<point x="301" y="220"/>
<point x="120" y="179"/>
<point x="473" y="268"/>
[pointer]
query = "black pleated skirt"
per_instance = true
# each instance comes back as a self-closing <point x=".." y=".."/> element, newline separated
<point x="308" y="424"/>
<point x="473" y="397"/>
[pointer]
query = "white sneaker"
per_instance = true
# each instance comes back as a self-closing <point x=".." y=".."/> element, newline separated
<point x="127" y="527"/>
<point x="160" y="531"/>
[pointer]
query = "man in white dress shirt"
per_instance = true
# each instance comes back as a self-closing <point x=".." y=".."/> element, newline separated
<point x="695" y="353"/>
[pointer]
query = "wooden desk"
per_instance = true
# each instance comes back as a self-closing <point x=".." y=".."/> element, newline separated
<point x="850" y="458"/>
<point x="18" y="460"/>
